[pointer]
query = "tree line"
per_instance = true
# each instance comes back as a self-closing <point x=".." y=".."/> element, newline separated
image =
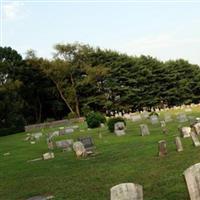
<point x="80" y="78"/>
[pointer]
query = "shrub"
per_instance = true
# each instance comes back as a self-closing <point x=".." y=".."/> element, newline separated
<point x="112" y="121"/>
<point x="94" y="119"/>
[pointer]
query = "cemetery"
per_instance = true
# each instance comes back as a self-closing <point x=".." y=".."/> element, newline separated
<point x="134" y="162"/>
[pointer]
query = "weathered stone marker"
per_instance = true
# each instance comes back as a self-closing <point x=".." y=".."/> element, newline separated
<point x="65" y="144"/>
<point x="154" y="119"/>
<point x="162" y="148"/>
<point x="192" y="178"/>
<point x="119" y="128"/>
<point x="181" y="117"/>
<point x="178" y="143"/>
<point x="126" y="191"/>
<point x="162" y="124"/>
<point x="79" y="149"/>
<point x="167" y="118"/>
<point x="197" y="128"/>
<point x="195" y="139"/>
<point x="48" y="155"/>
<point x="144" y="129"/>
<point x="185" y="132"/>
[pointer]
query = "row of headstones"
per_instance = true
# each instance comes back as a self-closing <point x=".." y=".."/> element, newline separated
<point x="132" y="191"/>
<point x="82" y="148"/>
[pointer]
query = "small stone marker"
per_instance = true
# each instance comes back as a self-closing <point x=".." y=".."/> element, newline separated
<point x="37" y="135"/>
<point x="65" y="144"/>
<point x="178" y="143"/>
<point x="167" y="118"/>
<point x="47" y="156"/>
<point x="79" y="149"/>
<point x="181" y="117"/>
<point x="126" y="191"/>
<point x="88" y="144"/>
<point x="144" y="129"/>
<point x="119" y="128"/>
<point x="6" y="154"/>
<point x="162" y="124"/>
<point x="32" y="142"/>
<point x="162" y="148"/>
<point x="197" y="128"/>
<point x="154" y="119"/>
<point x="69" y="130"/>
<point x="195" y="139"/>
<point x="50" y="144"/>
<point x="41" y="198"/>
<point x="102" y="125"/>
<point x="185" y="132"/>
<point x="55" y="133"/>
<point x="75" y="127"/>
<point x="192" y="179"/>
<point x="136" y="117"/>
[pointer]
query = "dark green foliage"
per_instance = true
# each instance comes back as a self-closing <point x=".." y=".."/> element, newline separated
<point x="111" y="123"/>
<point x="71" y="115"/>
<point x="94" y="119"/>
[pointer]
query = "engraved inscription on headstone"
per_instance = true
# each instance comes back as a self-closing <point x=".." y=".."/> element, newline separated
<point x="126" y="191"/>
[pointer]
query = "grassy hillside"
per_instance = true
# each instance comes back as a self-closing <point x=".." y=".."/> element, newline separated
<point x="129" y="158"/>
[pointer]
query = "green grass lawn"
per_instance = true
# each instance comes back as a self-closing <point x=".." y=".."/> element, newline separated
<point x="129" y="158"/>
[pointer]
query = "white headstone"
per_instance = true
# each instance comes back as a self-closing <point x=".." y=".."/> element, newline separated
<point x="197" y="128"/>
<point x="195" y="139"/>
<point x="144" y="129"/>
<point x="136" y="117"/>
<point x="185" y="132"/>
<point x="119" y="128"/>
<point x="79" y="149"/>
<point x="126" y="191"/>
<point x="192" y="177"/>
<point x="154" y="119"/>
<point x="48" y="155"/>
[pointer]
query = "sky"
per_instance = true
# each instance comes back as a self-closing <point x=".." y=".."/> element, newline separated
<point x="163" y="29"/>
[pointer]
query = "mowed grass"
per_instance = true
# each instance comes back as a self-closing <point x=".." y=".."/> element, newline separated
<point x="129" y="158"/>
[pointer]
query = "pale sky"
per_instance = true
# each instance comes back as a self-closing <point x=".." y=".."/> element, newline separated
<point x="162" y="29"/>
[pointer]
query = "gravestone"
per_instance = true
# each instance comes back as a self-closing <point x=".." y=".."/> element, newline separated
<point x="154" y="119"/>
<point x="192" y="178"/>
<point x="88" y="144"/>
<point x="136" y="117"/>
<point x="162" y="148"/>
<point x="65" y="144"/>
<point x="162" y="124"/>
<point x="69" y="130"/>
<point x="181" y="117"/>
<point x="37" y="135"/>
<point x="167" y="118"/>
<point x="37" y="198"/>
<point x="197" y="128"/>
<point x="126" y="191"/>
<point x="195" y="139"/>
<point x="47" y="156"/>
<point x="144" y="130"/>
<point x="119" y="128"/>
<point x="75" y="127"/>
<point x="79" y="149"/>
<point x="185" y="132"/>
<point x="178" y="143"/>
<point x="55" y="133"/>
<point x="145" y="114"/>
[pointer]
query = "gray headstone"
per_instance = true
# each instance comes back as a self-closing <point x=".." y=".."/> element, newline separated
<point x="181" y="117"/>
<point x="69" y="130"/>
<point x="154" y="119"/>
<point x="64" y="144"/>
<point x="192" y="178"/>
<point x="119" y="128"/>
<point x="144" y="129"/>
<point x="162" y="148"/>
<point x="87" y="142"/>
<point x="136" y="117"/>
<point x="126" y="191"/>
<point x="37" y="135"/>
<point x="195" y="139"/>
<point x="167" y="118"/>
<point x="178" y="143"/>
